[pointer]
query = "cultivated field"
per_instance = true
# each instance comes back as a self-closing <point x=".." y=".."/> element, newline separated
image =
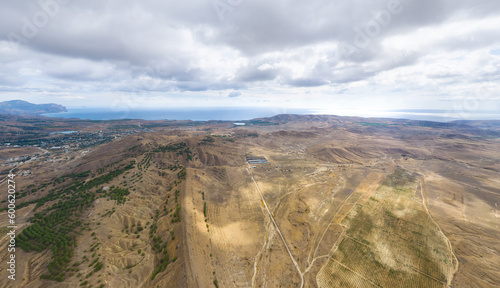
<point x="390" y="241"/>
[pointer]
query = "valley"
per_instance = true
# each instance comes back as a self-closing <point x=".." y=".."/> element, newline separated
<point x="337" y="203"/>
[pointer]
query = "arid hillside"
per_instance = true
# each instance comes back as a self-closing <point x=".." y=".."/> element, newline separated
<point x="288" y="201"/>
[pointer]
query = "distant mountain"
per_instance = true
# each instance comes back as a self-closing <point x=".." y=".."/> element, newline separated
<point x="20" y="107"/>
<point x="482" y="124"/>
<point x="367" y="121"/>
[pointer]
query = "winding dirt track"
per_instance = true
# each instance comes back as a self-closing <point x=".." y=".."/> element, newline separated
<point x="454" y="258"/>
<point x="278" y="230"/>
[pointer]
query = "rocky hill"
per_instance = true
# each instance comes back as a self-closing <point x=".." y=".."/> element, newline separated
<point x="20" y="107"/>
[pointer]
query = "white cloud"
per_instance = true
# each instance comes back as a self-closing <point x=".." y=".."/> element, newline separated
<point x="431" y="54"/>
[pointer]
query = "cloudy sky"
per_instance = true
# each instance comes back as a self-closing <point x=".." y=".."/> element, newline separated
<point x="332" y="54"/>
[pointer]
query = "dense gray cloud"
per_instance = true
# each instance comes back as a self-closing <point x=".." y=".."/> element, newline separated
<point x="107" y="48"/>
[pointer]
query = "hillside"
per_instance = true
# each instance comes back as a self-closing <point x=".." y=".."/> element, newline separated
<point x="338" y="202"/>
<point x="19" y="107"/>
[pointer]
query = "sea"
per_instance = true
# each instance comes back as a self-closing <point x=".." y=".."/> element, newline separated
<point x="194" y="114"/>
<point x="239" y="114"/>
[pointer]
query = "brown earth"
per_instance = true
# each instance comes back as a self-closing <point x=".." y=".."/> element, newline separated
<point x="321" y="171"/>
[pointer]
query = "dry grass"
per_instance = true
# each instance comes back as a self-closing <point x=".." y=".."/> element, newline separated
<point x="390" y="241"/>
